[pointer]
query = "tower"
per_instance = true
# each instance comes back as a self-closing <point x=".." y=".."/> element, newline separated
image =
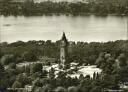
<point x="63" y="51"/>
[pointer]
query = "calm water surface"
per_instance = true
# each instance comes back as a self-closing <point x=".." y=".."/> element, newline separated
<point x="77" y="28"/>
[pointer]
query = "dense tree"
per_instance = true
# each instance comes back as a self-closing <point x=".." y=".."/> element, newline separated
<point x="60" y="89"/>
<point x="122" y="60"/>
<point x="111" y="57"/>
<point x="29" y="56"/>
<point x="2" y="78"/>
<point x="6" y="59"/>
<point x="100" y="62"/>
<point x="16" y="84"/>
<point x="99" y="7"/>
<point x="36" y="68"/>
<point x="72" y="89"/>
<point x="23" y="79"/>
<point x="46" y="88"/>
<point x="81" y="52"/>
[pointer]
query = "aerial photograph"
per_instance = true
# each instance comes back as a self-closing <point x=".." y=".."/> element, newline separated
<point x="63" y="45"/>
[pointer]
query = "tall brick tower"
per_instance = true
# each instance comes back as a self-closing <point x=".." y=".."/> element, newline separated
<point x="63" y="51"/>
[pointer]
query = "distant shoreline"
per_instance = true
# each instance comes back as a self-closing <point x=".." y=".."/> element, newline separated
<point x="58" y="40"/>
<point x="29" y="8"/>
<point x="67" y="14"/>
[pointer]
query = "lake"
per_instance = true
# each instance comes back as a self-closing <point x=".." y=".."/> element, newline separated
<point x="77" y="28"/>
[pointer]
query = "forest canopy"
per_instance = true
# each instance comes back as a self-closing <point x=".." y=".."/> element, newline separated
<point x="111" y="57"/>
<point x="99" y="7"/>
<point x="79" y="51"/>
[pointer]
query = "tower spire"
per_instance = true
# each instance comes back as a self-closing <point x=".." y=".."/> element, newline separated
<point x="63" y="34"/>
<point x="64" y="37"/>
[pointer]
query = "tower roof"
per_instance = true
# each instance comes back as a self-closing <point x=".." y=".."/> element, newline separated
<point x="64" y="37"/>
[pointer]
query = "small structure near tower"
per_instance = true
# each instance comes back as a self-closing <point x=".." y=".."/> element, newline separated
<point x="63" y="51"/>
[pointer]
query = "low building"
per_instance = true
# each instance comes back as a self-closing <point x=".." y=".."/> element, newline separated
<point x="28" y="88"/>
